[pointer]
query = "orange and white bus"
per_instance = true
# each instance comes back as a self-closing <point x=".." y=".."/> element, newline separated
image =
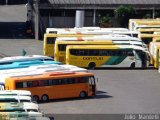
<point x="55" y="85"/>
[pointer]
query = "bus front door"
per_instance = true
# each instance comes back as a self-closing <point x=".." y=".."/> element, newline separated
<point x="92" y="85"/>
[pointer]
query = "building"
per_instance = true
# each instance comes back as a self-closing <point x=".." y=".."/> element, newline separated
<point x="12" y="2"/>
<point x="71" y="13"/>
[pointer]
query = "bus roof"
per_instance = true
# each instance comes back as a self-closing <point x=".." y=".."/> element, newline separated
<point x="102" y="37"/>
<point x="106" y="47"/>
<point x="24" y="58"/>
<point x="54" y="30"/>
<point x="15" y="98"/>
<point x="148" y="35"/>
<point x="17" y="106"/>
<point x="39" y="69"/>
<point x="16" y="92"/>
<point x="42" y="71"/>
<point x="148" y="29"/>
<point x="26" y="64"/>
<point x="51" y="75"/>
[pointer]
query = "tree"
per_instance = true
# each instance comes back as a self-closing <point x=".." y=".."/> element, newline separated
<point x="123" y="13"/>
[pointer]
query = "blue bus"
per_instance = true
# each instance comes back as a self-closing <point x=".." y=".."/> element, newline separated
<point x="12" y="59"/>
<point x="26" y="64"/>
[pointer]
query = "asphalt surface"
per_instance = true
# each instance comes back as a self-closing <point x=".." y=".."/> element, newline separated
<point x="118" y="90"/>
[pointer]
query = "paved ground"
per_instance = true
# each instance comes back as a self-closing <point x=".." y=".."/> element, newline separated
<point x="119" y="90"/>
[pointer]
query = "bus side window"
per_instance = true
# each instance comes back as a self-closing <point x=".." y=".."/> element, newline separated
<point x="24" y="84"/>
<point x="84" y="80"/>
<point x="29" y="84"/>
<point x="51" y="40"/>
<point x="19" y="84"/>
<point x="71" y="80"/>
<point x="64" y="81"/>
<point x="34" y="83"/>
<point x="55" y="82"/>
<point x="41" y="83"/>
<point x="78" y="80"/>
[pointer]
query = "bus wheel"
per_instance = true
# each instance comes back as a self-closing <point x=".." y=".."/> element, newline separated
<point x="35" y="98"/>
<point x="45" y="98"/>
<point x="132" y="66"/>
<point x="83" y="94"/>
<point x="92" y="65"/>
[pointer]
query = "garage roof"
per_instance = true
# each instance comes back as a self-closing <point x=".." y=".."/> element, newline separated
<point x="103" y="4"/>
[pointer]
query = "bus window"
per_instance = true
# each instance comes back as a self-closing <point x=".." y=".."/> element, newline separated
<point x="51" y="40"/>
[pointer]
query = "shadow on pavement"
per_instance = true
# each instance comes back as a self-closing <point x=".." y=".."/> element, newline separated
<point x="99" y="95"/>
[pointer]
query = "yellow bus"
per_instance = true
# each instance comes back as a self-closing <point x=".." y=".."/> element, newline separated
<point x="55" y="85"/>
<point x="147" y="38"/>
<point x="93" y="56"/>
<point x="148" y="30"/>
<point x="156" y="38"/>
<point x="154" y="53"/>
<point x="49" y="42"/>
<point x="133" y="23"/>
<point x="61" y="43"/>
<point x="49" y="39"/>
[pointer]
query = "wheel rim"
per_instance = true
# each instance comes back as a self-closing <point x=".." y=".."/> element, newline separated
<point x="82" y="94"/>
<point x="35" y="98"/>
<point x="44" y="98"/>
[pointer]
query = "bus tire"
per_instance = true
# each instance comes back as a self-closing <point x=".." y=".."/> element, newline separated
<point x="92" y="65"/>
<point x="35" y="98"/>
<point x="83" y="94"/>
<point x="132" y="66"/>
<point x="45" y="98"/>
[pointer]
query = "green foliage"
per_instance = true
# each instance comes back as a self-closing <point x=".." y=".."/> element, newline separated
<point x="124" y="10"/>
<point x="104" y="19"/>
<point x="124" y="13"/>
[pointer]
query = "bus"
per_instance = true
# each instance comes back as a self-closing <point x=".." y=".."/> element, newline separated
<point x="81" y="29"/>
<point x="43" y="68"/>
<point x="93" y="56"/>
<point x="49" y="41"/>
<point x="55" y="85"/>
<point x="133" y="23"/>
<point x="148" y="30"/>
<point x="13" y="98"/>
<point x="147" y="38"/>
<point x="23" y="107"/>
<point x="26" y="64"/>
<point x="60" y="45"/>
<point x="40" y="71"/>
<point x="156" y="38"/>
<point x="10" y="60"/>
<point x="56" y="30"/>
<point x="15" y="92"/>
<point x="18" y="115"/>
<point x="154" y="52"/>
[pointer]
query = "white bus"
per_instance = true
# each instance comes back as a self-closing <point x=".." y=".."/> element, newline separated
<point x="15" y="92"/>
<point x="13" y="98"/>
<point x="9" y="60"/>
<point x="92" y="56"/>
<point x="123" y="39"/>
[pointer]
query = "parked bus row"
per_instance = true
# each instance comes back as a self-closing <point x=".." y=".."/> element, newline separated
<point x="147" y="29"/>
<point x="52" y="33"/>
<point x="50" y="81"/>
<point x="55" y="44"/>
<point x="150" y="33"/>
<point x="18" y="103"/>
